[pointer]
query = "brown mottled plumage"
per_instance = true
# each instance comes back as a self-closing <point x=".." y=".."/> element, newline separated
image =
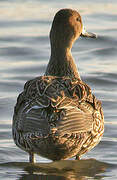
<point x="57" y="116"/>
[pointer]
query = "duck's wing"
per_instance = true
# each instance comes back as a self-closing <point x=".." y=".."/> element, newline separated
<point x="30" y="118"/>
<point x="85" y="115"/>
<point x="75" y="119"/>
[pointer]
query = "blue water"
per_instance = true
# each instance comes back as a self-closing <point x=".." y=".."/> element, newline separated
<point x="24" y="54"/>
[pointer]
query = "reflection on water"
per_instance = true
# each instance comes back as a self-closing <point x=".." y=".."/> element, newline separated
<point x="24" y="54"/>
<point x="66" y="170"/>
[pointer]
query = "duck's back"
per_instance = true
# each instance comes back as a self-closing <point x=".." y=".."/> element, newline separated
<point x="57" y="118"/>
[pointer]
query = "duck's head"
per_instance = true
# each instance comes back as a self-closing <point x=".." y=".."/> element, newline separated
<point x="66" y="28"/>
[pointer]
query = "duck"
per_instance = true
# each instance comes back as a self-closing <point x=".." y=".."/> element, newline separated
<point x="57" y="116"/>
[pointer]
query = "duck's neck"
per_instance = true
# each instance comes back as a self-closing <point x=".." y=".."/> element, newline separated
<point x="62" y="63"/>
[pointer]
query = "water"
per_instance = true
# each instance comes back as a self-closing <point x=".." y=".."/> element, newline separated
<point x="24" y="54"/>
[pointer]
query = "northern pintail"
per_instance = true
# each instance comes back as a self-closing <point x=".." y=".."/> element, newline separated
<point x="57" y="116"/>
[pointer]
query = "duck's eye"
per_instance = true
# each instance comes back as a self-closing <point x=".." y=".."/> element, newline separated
<point x="78" y="19"/>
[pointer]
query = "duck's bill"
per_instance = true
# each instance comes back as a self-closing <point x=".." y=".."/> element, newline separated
<point x="88" y="34"/>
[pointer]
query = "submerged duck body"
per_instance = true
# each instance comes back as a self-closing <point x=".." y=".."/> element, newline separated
<point x="57" y="116"/>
